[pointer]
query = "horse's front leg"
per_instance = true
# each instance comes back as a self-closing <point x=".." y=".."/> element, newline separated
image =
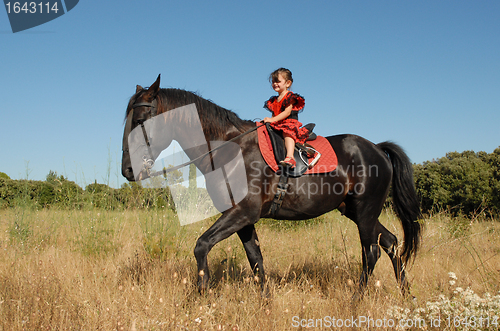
<point x="230" y="222"/>
<point x="248" y="237"/>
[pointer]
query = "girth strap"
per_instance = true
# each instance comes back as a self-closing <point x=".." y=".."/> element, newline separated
<point x="280" y="194"/>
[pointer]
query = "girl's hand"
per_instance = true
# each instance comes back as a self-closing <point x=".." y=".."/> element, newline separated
<point x="281" y="116"/>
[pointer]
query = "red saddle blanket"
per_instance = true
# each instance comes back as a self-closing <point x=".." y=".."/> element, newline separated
<point x="326" y="163"/>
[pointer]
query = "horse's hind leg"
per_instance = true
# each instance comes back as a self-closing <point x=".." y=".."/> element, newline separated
<point x="373" y="238"/>
<point x="248" y="237"/>
<point x="389" y="244"/>
<point x="370" y="252"/>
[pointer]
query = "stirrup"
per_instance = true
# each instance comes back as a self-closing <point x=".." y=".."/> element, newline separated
<point x="316" y="157"/>
<point x="311" y="153"/>
<point x="288" y="162"/>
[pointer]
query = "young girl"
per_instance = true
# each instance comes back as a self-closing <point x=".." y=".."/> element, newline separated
<point x="285" y="108"/>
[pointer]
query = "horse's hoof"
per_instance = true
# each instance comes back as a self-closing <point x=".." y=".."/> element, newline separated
<point x="405" y="291"/>
<point x="358" y="294"/>
<point x="265" y="295"/>
<point x="357" y="297"/>
<point x="202" y="290"/>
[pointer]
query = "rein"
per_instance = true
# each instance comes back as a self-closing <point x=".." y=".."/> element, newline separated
<point x="165" y="171"/>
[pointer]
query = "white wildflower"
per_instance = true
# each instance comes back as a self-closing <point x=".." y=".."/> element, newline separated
<point x="462" y="304"/>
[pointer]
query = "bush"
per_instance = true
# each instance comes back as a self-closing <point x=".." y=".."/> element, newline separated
<point x="101" y="196"/>
<point x="464" y="182"/>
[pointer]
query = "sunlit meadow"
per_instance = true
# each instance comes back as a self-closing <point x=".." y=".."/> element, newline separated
<point x="135" y="270"/>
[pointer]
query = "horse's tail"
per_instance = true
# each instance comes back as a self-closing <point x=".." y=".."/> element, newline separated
<point x="405" y="201"/>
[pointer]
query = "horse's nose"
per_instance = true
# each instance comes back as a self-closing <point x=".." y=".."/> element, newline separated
<point x="129" y="174"/>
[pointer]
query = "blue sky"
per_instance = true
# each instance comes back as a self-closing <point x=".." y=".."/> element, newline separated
<point x="424" y="74"/>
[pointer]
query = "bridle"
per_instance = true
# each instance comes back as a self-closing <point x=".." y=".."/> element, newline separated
<point x="153" y="104"/>
<point x="148" y="161"/>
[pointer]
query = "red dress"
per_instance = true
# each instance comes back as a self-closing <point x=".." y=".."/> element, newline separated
<point x="291" y="124"/>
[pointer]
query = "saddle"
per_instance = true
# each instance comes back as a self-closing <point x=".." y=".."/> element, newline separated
<point x="302" y="154"/>
<point x="272" y="148"/>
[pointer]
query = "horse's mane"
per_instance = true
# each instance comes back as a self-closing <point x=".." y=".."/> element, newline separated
<point x="215" y="120"/>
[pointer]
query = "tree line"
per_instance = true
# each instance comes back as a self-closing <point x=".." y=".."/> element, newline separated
<point x="59" y="192"/>
<point x="464" y="183"/>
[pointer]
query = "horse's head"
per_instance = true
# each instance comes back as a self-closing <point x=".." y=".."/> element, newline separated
<point x="139" y="148"/>
<point x="157" y="116"/>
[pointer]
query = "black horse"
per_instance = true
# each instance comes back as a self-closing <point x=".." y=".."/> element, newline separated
<point x="358" y="187"/>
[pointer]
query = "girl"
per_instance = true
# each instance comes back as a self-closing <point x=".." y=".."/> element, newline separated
<point x="285" y="108"/>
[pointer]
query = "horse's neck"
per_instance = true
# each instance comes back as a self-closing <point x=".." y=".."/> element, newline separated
<point x="197" y="148"/>
<point x="192" y="133"/>
<point x="197" y="140"/>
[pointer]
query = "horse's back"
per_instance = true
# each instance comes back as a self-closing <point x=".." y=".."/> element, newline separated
<point x="354" y="150"/>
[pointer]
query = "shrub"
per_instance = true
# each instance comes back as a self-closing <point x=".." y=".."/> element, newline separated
<point x="464" y="182"/>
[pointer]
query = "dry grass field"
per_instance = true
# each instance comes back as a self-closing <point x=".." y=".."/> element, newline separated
<point x="135" y="270"/>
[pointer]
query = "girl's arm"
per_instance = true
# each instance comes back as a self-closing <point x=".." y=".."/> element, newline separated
<point x="280" y="116"/>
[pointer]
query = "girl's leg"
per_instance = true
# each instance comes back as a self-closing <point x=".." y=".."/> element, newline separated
<point x="289" y="145"/>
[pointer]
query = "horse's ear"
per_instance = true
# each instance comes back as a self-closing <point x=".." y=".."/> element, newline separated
<point x="138" y="88"/>
<point x="153" y="89"/>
